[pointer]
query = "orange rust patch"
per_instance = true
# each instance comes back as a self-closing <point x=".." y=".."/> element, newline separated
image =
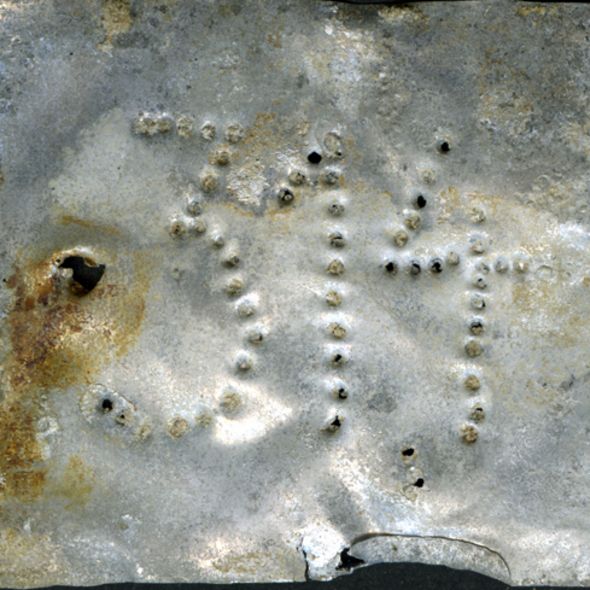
<point x="263" y="133"/>
<point x="274" y="39"/>
<point x="116" y="19"/>
<point x="86" y="224"/>
<point x="237" y="209"/>
<point x="19" y="452"/>
<point x="58" y="339"/>
<point x="76" y="484"/>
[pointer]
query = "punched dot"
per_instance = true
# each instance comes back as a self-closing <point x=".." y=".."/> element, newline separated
<point x="476" y="327"/>
<point x="469" y="433"/>
<point x="453" y="258"/>
<point x="444" y="147"/>
<point x="413" y="220"/>
<point x="501" y="265"/>
<point x="338" y="359"/>
<point x="520" y="264"/>
<point x="178" y="427"/>
<point x="477" y="246"/>
<point x="285" y="196"/>
<point x="391" y="267"/>
<point x="232" y="260"/>
<point x="208" y="131"/>
<point x="335" y="267"/>
<point x="340" y="392"/>
<point x="477" y="215"/>
<point x="314" y="157"/>
<point x="178" y="228"/>
<point x="335" y="424"/>
<point x="480" y="283"/>
<point x="221" y="156"/>
<point x="436" y="266"/>
<point x="255" y="337"/>
<point x="234" y="286"/>
<point x="234" y="133"/>
<point x="330" y="177"/>
<point x="333" y="298"/>
<point x="337" y="330"/>
<point x="296" y="177"/>
<point x="477" y="414"/>
<point x="199" y="226"/>
<point x="217" y="240"/>
<point x="194" y="206"/>
<point x="478" y="301"/>
<point x="400" y="238"/>
<point x="483" y="267"/>
<point x="244" y="363"/>
<point x="336" y="239"/>
<point x="415" y="268"/>
<point x="208" y="181"/>
<point x="336" y="209"/>
<point x="472" y="383"/>
<point x="473" y="348"/>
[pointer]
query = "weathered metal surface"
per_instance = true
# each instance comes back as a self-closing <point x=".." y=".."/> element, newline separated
<point x="343" y="310"/>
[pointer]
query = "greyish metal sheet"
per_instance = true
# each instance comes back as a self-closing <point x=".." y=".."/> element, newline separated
<point x="288" y="366"/>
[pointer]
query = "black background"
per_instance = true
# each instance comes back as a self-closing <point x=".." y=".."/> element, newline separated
<point x="402" y="576"/>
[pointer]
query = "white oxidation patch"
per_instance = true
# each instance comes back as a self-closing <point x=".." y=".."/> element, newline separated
<point x="291" y="288"/>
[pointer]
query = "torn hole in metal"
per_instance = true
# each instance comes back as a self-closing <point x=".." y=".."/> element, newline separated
<point x="292" y="288"/>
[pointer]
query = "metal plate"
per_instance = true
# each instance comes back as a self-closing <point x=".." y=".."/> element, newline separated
<point x="342" y="316"/>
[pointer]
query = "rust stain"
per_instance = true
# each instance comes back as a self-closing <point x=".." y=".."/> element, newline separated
<point x="261" y="139"/>
<point x="87" y="224"/>
<point x="450" y="201"/>
<point x="532" y="297"/>
<point x="227" y="10"/>
<point x="76" y="483"/>
<point x="277" y="212"/>
<point x="246" y="563"/>
<point x="264" y="131"/>
<point x="250" y="563"/>
<point x="407" y="13"/>
<point x="240" y="210"/>
<point x="493" y="203"/>
<point x="58" y="339"/>
<point x="274" y="39"/>
<point x="20" y="454"/>
<point x="538" y="10"/>
<point x="116" y="19"/>
<point x="535" y="299"/>
<point x="30" y="559"/>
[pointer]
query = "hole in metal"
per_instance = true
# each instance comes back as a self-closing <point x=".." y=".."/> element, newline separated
<point x="348" y="562"/>
<point x="85" y="274"/>
<point x="106" y="405"/>
<point x="314" y="157"/>
<point x="444" y="147"/>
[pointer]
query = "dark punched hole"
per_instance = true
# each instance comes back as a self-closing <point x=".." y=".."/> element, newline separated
<point x="314" y="157"/>
<point x="85" y="275"/>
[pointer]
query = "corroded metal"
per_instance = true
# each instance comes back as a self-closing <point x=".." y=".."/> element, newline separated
<point x="292" y="287"/>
